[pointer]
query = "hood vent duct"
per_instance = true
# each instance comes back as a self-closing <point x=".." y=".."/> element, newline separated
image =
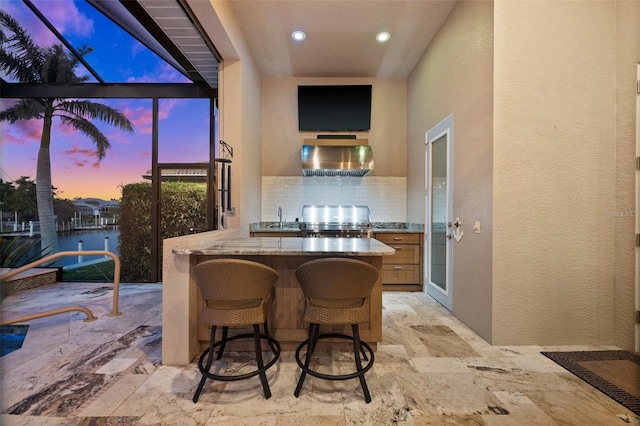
<point x="321" y="160"/>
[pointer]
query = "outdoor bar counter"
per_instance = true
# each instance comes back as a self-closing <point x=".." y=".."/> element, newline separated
<point x="183" y="338"/>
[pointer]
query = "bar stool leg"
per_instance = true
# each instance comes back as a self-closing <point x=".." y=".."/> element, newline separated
<point x="225" y="331"/>
<point x="207" y="365"/>
<point x="314" y="340"/>
<point x="263" y="374"/>
<point x="356" y="352"/>
<point x="307" y="359"/>
<point x="269" y="340"/>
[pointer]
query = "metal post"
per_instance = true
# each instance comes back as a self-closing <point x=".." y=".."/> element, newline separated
<point x="80" y="258"/>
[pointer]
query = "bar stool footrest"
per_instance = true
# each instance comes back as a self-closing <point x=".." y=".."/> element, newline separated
<point x="354" y="375"/>
<point x="229" y="378"/>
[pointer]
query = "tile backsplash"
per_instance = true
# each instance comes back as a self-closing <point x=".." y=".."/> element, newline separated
<point x="385" y="196"/>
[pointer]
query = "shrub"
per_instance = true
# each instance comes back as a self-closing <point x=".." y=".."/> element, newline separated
<point x="184" y="205"/>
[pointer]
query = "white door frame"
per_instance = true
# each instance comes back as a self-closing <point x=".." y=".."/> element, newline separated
<point x="444" y="297"/>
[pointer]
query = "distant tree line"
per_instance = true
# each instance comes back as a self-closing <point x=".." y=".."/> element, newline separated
<point x="20" y="196"/>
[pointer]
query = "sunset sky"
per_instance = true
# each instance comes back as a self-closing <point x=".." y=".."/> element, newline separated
<point x="117" y="57"/>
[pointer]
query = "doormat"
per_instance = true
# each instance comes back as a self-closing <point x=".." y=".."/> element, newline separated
<point x="11" y="338"/>
<point x="614" y="373"/>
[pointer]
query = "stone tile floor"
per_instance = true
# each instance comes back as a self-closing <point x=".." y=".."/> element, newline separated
<point x="429" y="370"/>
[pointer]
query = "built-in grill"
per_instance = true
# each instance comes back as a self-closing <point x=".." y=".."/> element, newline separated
<point x="336" y="221"/>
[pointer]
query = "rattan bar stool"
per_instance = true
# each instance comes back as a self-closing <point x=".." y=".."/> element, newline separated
<point x="235" y="292"/>
<point x="336" y="292"/>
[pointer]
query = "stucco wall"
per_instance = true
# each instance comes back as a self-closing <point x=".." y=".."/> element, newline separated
<point x="627" y="58"/>
<point x="555" y="172"/>
<point x="455" y="75"/>
<point x="281" y="140"/>
<point x="239" y="95"/>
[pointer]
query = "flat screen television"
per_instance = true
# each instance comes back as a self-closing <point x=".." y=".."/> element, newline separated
<point x="334" y="108"/>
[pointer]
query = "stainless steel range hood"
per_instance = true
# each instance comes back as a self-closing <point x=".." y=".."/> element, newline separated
<point x="321" y="160"/>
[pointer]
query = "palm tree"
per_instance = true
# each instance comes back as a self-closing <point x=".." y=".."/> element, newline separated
<point x="23" y="60"/>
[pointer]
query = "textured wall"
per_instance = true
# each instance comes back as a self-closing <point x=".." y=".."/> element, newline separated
<point x="555" y="172"/>
<point x="627" y="58"/>
<point x="281" y="140"/>
<point x="455" y="75"/>
<point x="239" y="96"/>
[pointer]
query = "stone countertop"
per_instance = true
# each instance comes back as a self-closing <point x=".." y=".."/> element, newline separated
<point x="289" y="246"/>
<point x="379" y="227"/>
<point x="397" y="227"/>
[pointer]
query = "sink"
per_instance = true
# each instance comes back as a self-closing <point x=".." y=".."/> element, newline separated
<point x="285" y="225"/>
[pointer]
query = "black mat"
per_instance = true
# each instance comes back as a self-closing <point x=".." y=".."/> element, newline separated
<point x="621" y="368"/>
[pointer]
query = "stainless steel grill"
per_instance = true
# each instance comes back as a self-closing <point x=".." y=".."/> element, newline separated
<point x="336" y="221"/>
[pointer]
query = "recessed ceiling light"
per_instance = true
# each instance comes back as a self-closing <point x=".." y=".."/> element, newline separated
<point x="298" y="35"/>
<point x="383" y="36"/>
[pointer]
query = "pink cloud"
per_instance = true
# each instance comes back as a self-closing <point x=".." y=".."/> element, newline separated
<point x="83" y="151"/>
<point x="10" y="138"/>
<point x="65" y="130"/>
<point x="82" y="157"/>
<point x="166" y="106"/>
<point x="38" y="32"/>
<point x="21" y="132"/>
<point x="136" y="47"/>
<point x="139" y="116"/>
<point x="79" y="163"/>
<point x="63" y="15"/>
<point x="66" y="17"/>
<point x="164" y="72"/>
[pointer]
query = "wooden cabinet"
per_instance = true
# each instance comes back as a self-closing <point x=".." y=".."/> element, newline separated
<point x="403" y="270"/>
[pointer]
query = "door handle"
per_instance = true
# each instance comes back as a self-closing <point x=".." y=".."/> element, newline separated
<point x="447" y="236"/>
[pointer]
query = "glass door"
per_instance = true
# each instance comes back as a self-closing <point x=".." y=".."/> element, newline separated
<point x="439" y="206"/>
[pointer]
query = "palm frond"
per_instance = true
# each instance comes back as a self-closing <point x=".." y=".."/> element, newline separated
<point x="98" y="111"/>
<point x="29" y="63"/>
<point x="20" y="57"/>
<point x="18" y="251"/>
<point x="85" y="126"/>
<point x="59" y="66"/>
<point x="23" y="109"/>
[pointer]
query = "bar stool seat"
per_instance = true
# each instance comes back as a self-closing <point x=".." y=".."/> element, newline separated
<point x="235" y="292"/>
<point x="336" y="292"/>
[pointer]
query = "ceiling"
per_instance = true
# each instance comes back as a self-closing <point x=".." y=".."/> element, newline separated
<point x="340" y="38"/>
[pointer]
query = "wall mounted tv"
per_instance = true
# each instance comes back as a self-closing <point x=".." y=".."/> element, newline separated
<point x="334" y="108"/>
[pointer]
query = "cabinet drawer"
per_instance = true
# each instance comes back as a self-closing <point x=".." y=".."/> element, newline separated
<point x="401" y="274"/>
<point x="391" y="239"/>
<point x="405" y="254"/>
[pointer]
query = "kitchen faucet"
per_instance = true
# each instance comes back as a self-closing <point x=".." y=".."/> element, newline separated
<point x="280" y="216"/>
